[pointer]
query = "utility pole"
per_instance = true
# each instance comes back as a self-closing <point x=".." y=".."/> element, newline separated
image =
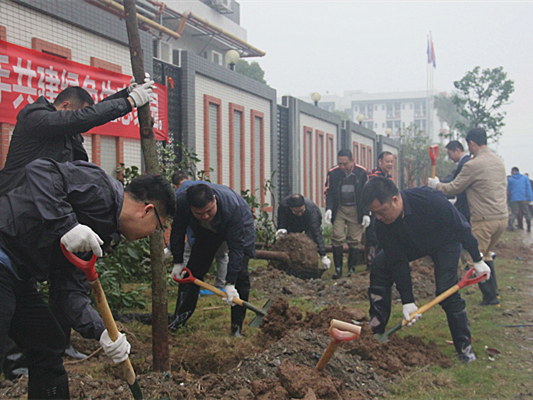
<point x="149" y="149"/>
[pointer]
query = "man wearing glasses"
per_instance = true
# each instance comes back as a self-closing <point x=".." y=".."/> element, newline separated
<point x="215" y="214"/>
<point x="80" y="206"/>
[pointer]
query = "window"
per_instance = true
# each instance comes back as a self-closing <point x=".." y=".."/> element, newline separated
<point x="403" y="106"/>
<point x="213" y="138"/>
<point x="308" y="161"/>
<point x="319" y="167"/>
<point x="257" y="122"/>
<point x="383" y="125"/>
<point x="389" y="124"/>
<point x="369" y="158"/>
<point x="355" y="152"/>
<point x="376" y="125"/>
<point x="363" y="156"/>
<point x="237" y="152"/>
<point x="216" y="57"/>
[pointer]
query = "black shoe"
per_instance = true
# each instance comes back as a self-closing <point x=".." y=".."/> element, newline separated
<point x="236" y="331"/>
<point x="494" y="302"/>
<point x="73" y="353"/>
<point x="176" y="324"/>
<point x="467" y="355"/>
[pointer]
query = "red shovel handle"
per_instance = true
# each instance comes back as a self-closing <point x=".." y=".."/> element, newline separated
<point x="189" y="279"/>
<point x="434" y="153"/>
<point x="85" y="266"/>
<point x="468" y="280"/>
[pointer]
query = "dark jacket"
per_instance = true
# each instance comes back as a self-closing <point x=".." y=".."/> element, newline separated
<point x="51" y="200"/>
<point x="309" y="222"/>
<point x="43" y="132"/>
<point x="429" y="222"/>
<point x="233" y="221"/>
<point x="378" y="172"/>
<point x="461" y="203"/>
<point x="333" y="190"/>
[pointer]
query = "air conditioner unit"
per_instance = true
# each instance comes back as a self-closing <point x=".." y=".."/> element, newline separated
<point x="165" y="52"/>
<point x="222" y="6"/>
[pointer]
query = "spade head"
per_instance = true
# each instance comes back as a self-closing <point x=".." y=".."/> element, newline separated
<point x="259" y="315"/>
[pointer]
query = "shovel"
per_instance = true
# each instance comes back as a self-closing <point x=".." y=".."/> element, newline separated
<point x="466" y="281"/>
<point x="433" y="154"/>
<point x="105" y="312"/>
<point x="340" y="332"/>
<point x="259" y="312"/>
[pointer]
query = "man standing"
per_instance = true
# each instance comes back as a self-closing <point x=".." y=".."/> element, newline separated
<point x="456" y="153"/>
<point x="78" y="205"/>
<point x="216" y="214"/>
<point x="384" y="169"/>
<point x="520" y="196"/>
<point x="298" y="214"/>
<point x="412" y="224"/>
<point x="344" y="209"/>
<point x="483" y="178"/>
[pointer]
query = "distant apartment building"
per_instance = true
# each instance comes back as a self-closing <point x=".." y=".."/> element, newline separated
<point x="382" y="111"/>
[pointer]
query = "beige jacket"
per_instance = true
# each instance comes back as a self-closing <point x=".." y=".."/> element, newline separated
<point x="484" y="180"/>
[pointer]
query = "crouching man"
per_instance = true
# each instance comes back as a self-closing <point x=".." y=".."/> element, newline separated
<point x="412" y="224"/>
<point x="79" y="205"/>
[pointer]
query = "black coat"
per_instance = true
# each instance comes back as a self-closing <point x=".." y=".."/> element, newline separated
<point x="51" y="200"/>
<point x="333" y="190"/>
<point x="309" y="222"/>
<point x="461" y="203"/>
<point x="233" y="221"/>
<point x="429" y="222"/>
<point x="43" y="132"/>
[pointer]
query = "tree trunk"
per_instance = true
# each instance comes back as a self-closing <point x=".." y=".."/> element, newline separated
<point x="159" y="285"/>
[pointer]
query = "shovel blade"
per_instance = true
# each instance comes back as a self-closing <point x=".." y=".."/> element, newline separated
<point x="385" y="337"/>
<point x="259" y="316"/>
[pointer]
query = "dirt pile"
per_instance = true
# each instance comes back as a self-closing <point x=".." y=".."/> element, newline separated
<point x="303" y="254"/>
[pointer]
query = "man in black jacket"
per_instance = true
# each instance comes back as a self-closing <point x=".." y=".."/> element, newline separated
<point x="412" y="224"/>
<point x="344" y="209"/>
<point x="298" y="214"/>
<point x="79" y="205"/>
<point x="215" y="213"/>
<point x="54" y="130"/>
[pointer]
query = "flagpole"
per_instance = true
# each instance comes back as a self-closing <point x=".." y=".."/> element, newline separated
<point x="428" y="72"/>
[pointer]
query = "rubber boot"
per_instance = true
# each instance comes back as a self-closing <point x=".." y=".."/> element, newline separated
<point x="338" y="254"/>
<point x="48" y="387"/>
<point x="238" y="314"/>
<point x="489" y="288"/>
<point x="380" y="308"/>
<point x="528" y="225"/>
<point x="458" y="324"/>
<point x="353" y="255"/>
<point x="185" y="305"/>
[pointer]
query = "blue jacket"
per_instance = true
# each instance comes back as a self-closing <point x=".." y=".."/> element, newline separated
<point x="233" y="221"/>
<point x="519" y="188"/>
<point x="430" y="222"/>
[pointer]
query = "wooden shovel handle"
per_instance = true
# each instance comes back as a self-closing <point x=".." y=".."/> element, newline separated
<point x="324" y="360"/>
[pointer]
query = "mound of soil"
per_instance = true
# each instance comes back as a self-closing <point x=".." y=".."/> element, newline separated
<point x="303" y="254"/>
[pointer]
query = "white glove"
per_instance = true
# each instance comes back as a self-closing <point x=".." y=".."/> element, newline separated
<point x="366" y="221"/>
<point x="134" y="84"/>
<point x="409" y="309"/>
<point x="326" y="262"/>
<point x="167" y="254"/>
<point x="327" y="216"/>
<point x="142" y="94"/>
<point x="82" y="238"/>
<point x="177" y="271"/>
<point x="482" y="267"/>
<point x="280" y="233"/>
<point x="118" y="350"/>
<point x="432" y="182"/>
<point x="531" y="203"/>
<point x="231" y="293"/>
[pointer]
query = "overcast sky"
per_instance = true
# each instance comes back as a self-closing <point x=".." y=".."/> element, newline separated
<point x="333" y="46"/>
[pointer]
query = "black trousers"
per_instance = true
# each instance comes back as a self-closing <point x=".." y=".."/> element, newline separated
<point x="27" y="320"/>
<point x="446" y="261"/>
<point x="203" y="252"/>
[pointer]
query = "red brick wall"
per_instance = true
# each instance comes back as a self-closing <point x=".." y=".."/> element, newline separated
<point x="51" y="48"/>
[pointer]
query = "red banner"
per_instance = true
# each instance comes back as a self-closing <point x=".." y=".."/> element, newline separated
<point x="26" y="74"/>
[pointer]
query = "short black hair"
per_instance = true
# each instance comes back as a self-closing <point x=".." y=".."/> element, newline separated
<point x="345" y="153"/>
<point x="478" y="136"/>
<point x="76" y="95"/>
<point x="154" y="189"/>
<point x="383" y="154"/>
<point x="454" y="145"/>
<point x="296" y="200"/>
<point x="380" y="188"/>
<point x="198" y="196"/>
<point x="178" y="177"/>
<point x="515" y="169"/>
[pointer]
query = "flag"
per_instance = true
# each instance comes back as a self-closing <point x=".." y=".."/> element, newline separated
<point x="431" y="53"/>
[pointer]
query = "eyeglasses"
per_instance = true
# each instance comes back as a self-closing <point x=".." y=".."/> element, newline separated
<point x="161" y="227"/>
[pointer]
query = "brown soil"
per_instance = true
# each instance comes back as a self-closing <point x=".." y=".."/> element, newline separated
<point x="303" y="254"/>
<point x="279" y="361"/>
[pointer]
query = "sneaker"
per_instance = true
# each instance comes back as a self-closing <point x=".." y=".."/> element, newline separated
<point x="73" y="353"/>
<point x="468" y="355"/>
